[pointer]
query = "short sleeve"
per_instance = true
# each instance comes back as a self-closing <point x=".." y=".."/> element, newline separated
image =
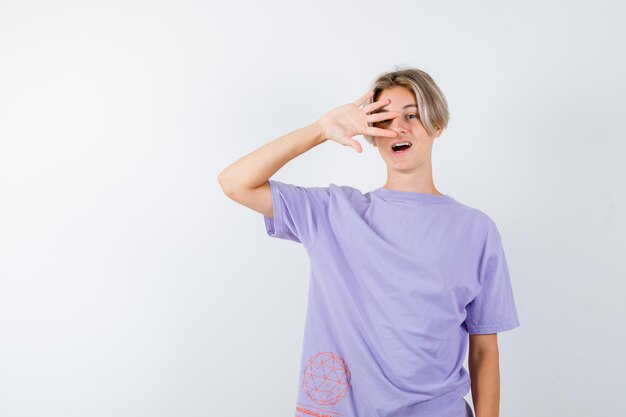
<point x="299" y="212"/>
<point x="493" y="309"/>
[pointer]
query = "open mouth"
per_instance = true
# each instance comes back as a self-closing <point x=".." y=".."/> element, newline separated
<point x="400" y="147"/>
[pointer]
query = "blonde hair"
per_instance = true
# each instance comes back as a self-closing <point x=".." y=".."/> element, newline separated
<point x="432" y="104"/>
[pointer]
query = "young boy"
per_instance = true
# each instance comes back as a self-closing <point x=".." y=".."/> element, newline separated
<point x="402" y="277"/>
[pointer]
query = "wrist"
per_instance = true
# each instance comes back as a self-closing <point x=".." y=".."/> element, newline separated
<point x="319" y="131"/>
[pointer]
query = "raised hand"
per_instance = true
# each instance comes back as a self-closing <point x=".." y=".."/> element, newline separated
<point x="350" y="119"/>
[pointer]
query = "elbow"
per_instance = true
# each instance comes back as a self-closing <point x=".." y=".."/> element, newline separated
<point x="222" y="180"/>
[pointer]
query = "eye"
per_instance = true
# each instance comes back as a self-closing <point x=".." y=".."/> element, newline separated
<point x="412" y="114"/>
<point x="381" y="123"/>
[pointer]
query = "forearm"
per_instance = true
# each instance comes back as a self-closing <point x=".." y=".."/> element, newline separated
<point x="258" y="166"/>
<point x="484" y="371"/>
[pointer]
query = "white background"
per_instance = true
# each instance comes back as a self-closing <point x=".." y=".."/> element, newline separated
<point x="130" y="285"/>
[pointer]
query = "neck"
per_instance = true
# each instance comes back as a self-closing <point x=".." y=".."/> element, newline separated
<point x="420" y="180"/>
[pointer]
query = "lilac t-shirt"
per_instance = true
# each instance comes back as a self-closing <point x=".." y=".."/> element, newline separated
<point x="398" y="280"/>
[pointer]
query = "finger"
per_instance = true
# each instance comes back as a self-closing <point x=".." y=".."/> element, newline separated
<point x="352" y="143"/>
<point x="364" y="98"/>
<point x="376" y="105"/>
<point x="375" y="131"/>
<point x="356" y="145"/>
<point x="383" y="115"/>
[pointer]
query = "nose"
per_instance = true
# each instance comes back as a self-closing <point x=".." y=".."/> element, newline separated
<point x="398" y="124"/>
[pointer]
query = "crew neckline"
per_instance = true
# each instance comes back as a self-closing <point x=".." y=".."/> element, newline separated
<point x="389" y="194"/>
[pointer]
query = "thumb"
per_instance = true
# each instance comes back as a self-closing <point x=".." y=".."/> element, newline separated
<point x="354" y="143"/>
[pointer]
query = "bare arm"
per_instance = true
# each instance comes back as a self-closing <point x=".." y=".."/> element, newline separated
<point x="484" y="367"/>
<point x="246" y="180"/>
<point x="258" y="166"/>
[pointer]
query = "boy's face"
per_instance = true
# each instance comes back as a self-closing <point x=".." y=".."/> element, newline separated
<point x="409" y="128"/>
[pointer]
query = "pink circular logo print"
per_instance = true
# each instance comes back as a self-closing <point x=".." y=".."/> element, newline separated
<point x="326" y="378"/>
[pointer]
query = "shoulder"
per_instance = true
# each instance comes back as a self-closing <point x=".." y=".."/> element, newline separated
<point x="347" y="191"/>
<point x="480" y="225"/>
<point x="295" y="189"/>
<point x="477" y="219"/>
<point x="485" y="220"/>
<point x="478" y="216"/>
<point x="487" y="229"/>
<point x="331" y="190"/>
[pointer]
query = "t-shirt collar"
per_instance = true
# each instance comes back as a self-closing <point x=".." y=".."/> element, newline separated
<point x="389" y="194"/>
